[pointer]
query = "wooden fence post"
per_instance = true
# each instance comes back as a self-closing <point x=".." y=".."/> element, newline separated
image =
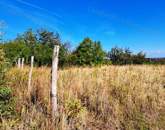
<point x="30" y="76"/>
<point x="22" y="64"/>
<point x="54" y="80"/>
<point x="19" y="63"/>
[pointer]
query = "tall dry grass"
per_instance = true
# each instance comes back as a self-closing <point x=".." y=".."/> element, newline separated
<point x="100" y="98"/>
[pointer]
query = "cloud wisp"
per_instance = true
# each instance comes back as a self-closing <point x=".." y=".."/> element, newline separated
<point x="112" y="17"/>
<point x="155" y="53"/>
<point x="2" y="27"/>
<point x="40" y="16"/>
<point x="38" y="8"/>
<point x="2" y="24"/>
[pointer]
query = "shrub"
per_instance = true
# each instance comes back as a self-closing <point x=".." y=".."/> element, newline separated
<point x="7" y="103"/>
<point x="6" y="100"/>
<point x="5" y="93"/>
<point x="75" y="112"/>
<point x="3" y="67"/>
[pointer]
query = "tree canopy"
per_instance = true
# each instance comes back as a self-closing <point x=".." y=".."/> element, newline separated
<point x="89" y="53"/>
<point x="125" y="56"/>
<point x="40" y="44"/>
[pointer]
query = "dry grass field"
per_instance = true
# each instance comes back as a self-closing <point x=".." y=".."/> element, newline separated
<point x="98" y="98"/>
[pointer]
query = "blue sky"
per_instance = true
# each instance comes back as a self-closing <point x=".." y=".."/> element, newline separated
<point x="137" y="24"/>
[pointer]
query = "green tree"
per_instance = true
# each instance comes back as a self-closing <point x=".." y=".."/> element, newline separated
<point x="30" y="37"/>
<point x="39" y="44"/>
<point x="48" y="38"/>
<point x="43" y="54"/>
<point x="15" y="49"/>
<point x="139" y="58"/>
<point x="125" y="56"/>
<point x="89" y="53"/>
<point x="115" y="55"/>
<point x="64" y="55"/>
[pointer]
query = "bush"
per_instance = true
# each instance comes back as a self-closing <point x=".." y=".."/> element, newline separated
<point x="5" y="93"/>
<point x="75" y="112"/>
<point x="3" y="67"/>
<point x="7" y="103"/>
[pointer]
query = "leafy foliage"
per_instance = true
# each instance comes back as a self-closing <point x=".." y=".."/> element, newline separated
<point x="40" y="44"/>
<point x="75" y="112"/>
<point x="3" y="67"/>
<point x="7" y="103"/>
<point x="15" y="50"/>
<point x="5" y="93"/>
<point x="48" y="38"/>
<point x="43" y="54"/>
<point x="6" y="100"/>
<point x="89" y="53"/>
<point x="125" y="56"/>
<point x="64" y="55"/>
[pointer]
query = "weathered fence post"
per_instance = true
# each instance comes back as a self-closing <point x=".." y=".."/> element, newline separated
<point x="19" y="63"/>
<point x="54" y="80"/>
<point x="30" y="76"/>
<point x="22" y="64"/>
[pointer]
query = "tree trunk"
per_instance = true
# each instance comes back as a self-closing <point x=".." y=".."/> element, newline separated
<point x="54" y="81"/>
<point x="30" y="76"/>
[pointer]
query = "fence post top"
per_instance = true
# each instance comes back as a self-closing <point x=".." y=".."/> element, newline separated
<point x="56" y="45"/>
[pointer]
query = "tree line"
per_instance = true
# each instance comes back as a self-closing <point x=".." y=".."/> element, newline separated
<point x="40" y="44"/>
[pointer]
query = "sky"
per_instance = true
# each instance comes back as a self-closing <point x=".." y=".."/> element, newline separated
<point x="135" y="24"/>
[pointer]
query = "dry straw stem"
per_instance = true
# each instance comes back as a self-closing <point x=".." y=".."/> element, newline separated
<point x="115" y="97"/>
